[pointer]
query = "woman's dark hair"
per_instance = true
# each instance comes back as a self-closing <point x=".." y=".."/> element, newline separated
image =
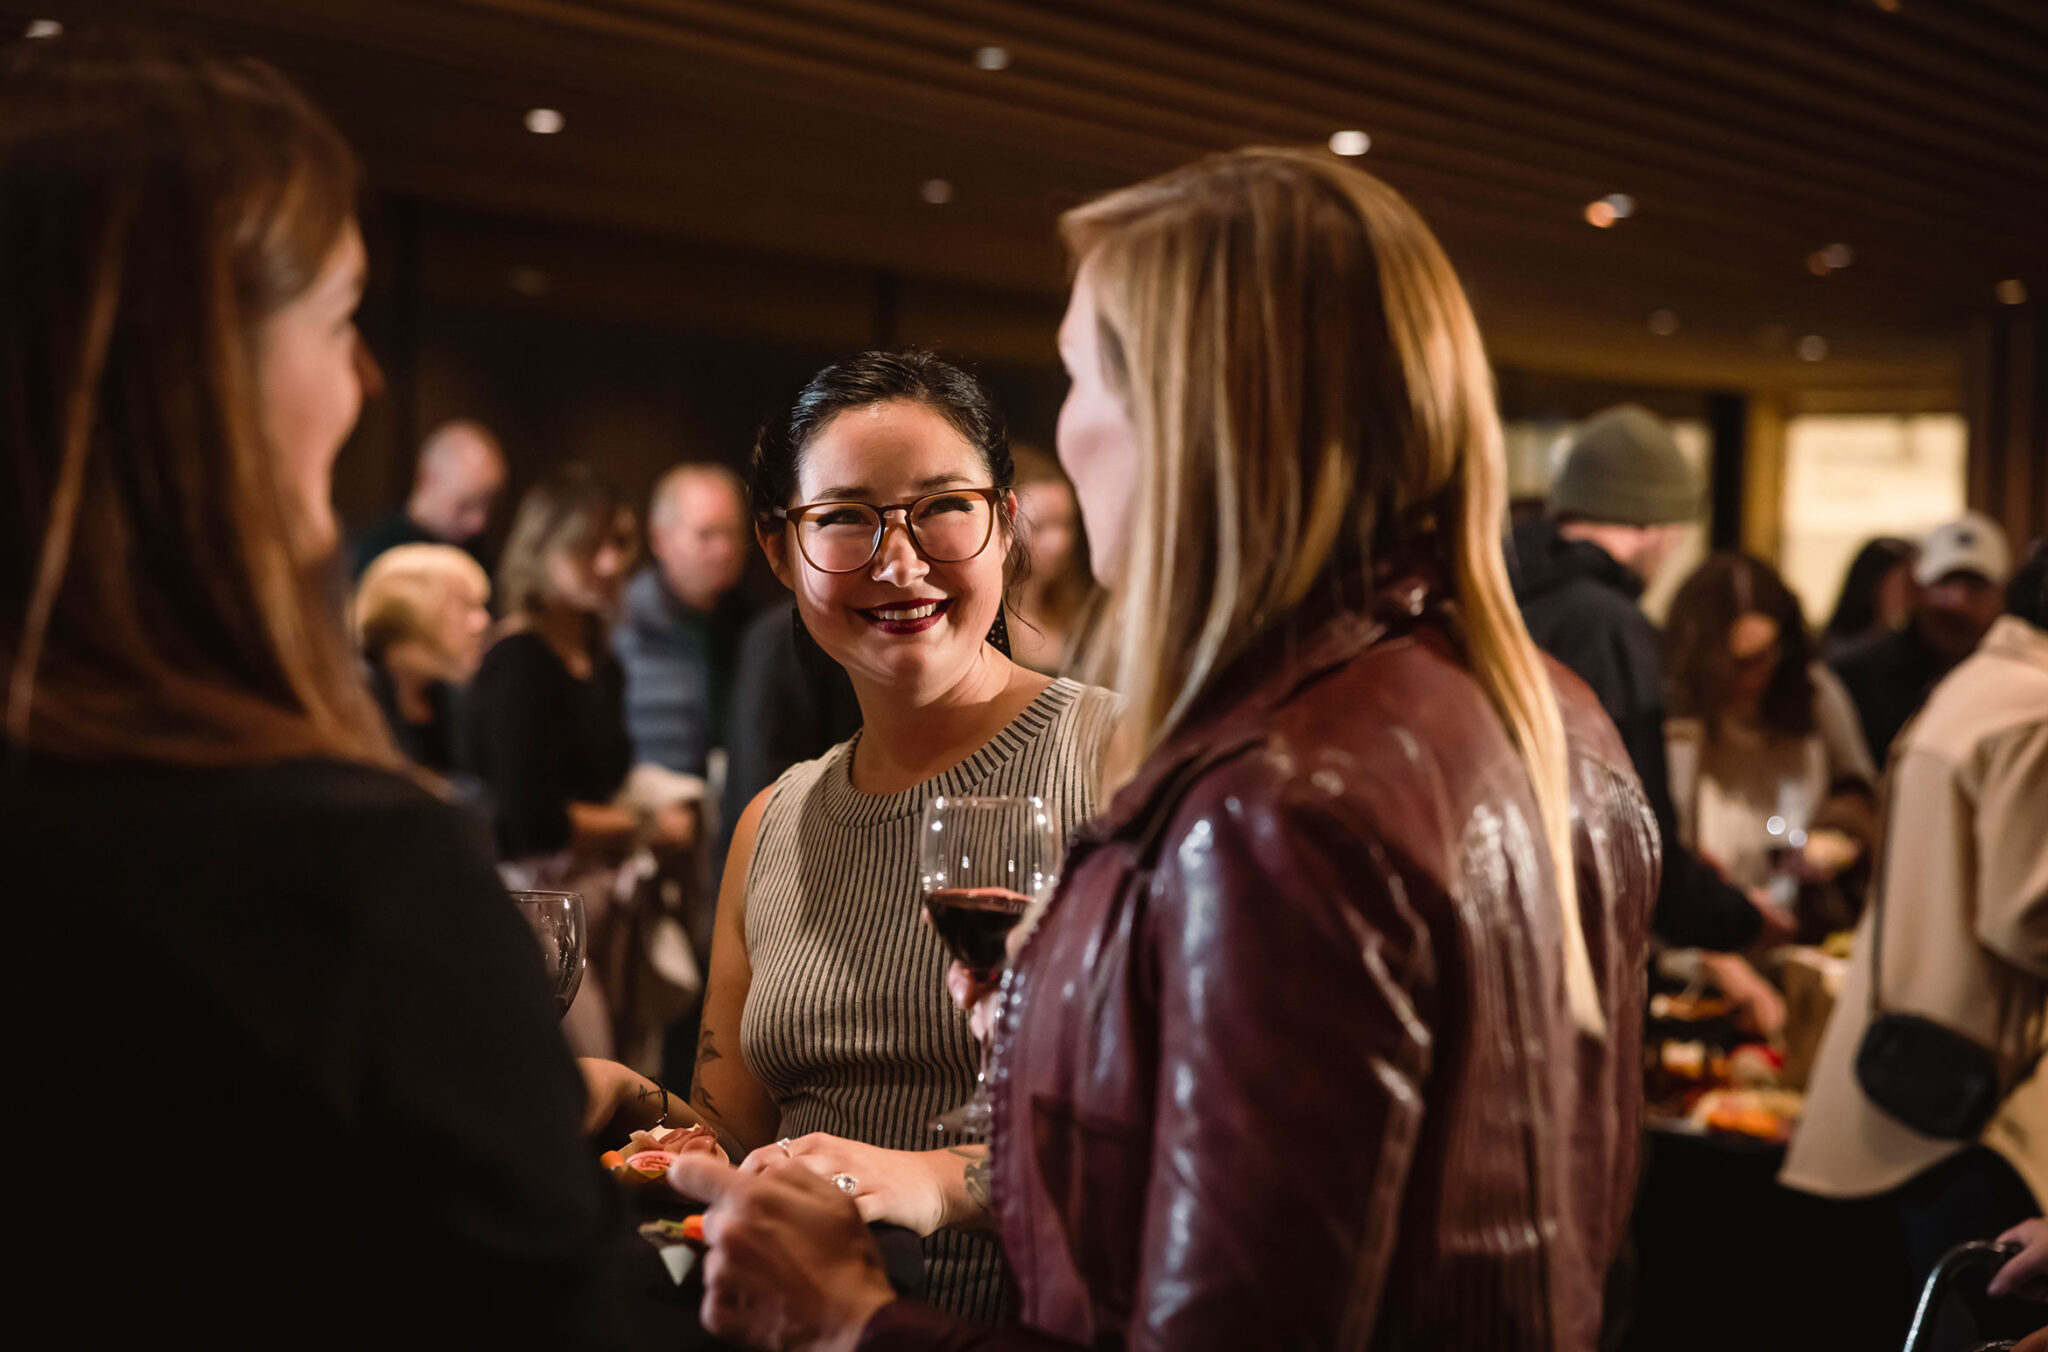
<point x="1723" y="589"/>
<point x="571" y="507"/>
<point x="156" y="206"/>
<point x="862" y="381"/>
<point x="1856" y="609"/>
<point x="2027" y="594"/>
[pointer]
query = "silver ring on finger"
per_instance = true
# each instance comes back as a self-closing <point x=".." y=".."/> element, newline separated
<point x="846" y="1183"/>
<point x="787" y="1153"/>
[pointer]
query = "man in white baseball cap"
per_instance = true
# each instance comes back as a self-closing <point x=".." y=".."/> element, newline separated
<point x="1960" y="574"/>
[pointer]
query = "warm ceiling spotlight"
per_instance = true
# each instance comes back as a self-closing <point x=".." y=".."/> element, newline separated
<point x="528" y="280"/>
<point x="1817" y="263"/>
<point x="1813" y="347"/>
<point x="544" y="121"/>
<point x="43" y="28"/>
<point x="1838" y="256"/>
<point x="936" y="191"/>
<point x="1600" y="214"/>
<point x="1663" y="323"/>
<point x="2012" y="291"/>
<point x="1350" y="143"/>
<point x="1889" y="6"/>
<point x="1622" y="204"/>
<point x="992" y="58"/>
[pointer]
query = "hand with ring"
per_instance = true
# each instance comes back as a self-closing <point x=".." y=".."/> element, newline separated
<point x="902" y="1187"/>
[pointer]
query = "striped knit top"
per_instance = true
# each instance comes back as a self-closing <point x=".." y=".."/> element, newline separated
<point x="847" y="1021"/>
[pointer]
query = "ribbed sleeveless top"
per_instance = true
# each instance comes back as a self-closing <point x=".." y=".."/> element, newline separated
<point x="847" y="1021"/>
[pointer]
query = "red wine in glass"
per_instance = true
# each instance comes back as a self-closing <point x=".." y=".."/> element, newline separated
<point x="975" y="924"/>
<point x="982" y="863"/>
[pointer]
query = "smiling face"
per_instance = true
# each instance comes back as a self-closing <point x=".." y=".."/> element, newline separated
<point x="1097" y="443"/>
<point x="310" y="369"/>
<point x="902" y="621"/>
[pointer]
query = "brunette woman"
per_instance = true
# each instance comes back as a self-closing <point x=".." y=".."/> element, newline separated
<point x="885" y="502"/>
<point x="1330" y="1037"/>
<point x="292" y="1075"/>
<point x="1769" y="773"/>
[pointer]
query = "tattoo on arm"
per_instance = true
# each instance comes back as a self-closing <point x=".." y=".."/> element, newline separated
<point x="977" y="1175"/>
<point x="707" y="1050"/>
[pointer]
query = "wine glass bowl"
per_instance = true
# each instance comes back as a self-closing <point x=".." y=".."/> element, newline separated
<point x="984" y="863"/>
<point x="557" y="921"/>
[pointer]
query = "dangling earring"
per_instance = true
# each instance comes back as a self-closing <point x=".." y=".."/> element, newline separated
<point x="999" y="633"/>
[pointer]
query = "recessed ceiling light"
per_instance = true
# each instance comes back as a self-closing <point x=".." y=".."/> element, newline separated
<point x="1838" y="256"/>
<point x="1663" y="323"/>
<point x="1889" y="6"/>
<point x="1624" y="205"/>
<point x="936" y="191"/>
<point x="992" y="58"/>
<point x="1813" y="347"/>
<point x="528" y="281"/>
<point x="44" y="28"/>
<point x="1600" y="214"/>
<point x="544" y="121"/>
<point x="2012" y="291"/>
<point x="1350" y="142"/>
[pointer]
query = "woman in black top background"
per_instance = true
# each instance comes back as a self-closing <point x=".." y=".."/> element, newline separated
<point x="548" y="721"/>
<point x="290" y="1073"/>
<point x="547" y="709"/>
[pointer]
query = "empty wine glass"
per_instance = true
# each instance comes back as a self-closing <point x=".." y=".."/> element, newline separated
<point x="983" y="862"/>
<point x="557" y="921"/>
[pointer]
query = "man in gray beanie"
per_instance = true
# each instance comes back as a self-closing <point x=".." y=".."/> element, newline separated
<point x="1622" y="503"/>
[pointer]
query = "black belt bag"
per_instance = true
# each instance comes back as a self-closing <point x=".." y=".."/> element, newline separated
<point x="1939" y="1082"/>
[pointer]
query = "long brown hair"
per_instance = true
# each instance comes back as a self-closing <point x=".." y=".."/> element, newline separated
<point x="1309" y="393"/>
<point x="1721" y="591"/>
<point x="156" y="205"/>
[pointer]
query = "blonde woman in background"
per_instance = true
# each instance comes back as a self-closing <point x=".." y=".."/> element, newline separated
<point x="421" y="612"/>
<point x="1330" y="1036"/>
<point x="1054" y="597"/>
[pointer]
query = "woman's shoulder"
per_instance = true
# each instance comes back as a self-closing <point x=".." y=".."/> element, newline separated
<point x="520" y="649"/>
<point x="344" y="805"/>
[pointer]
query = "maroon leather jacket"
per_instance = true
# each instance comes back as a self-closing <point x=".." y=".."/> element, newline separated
<point x="1288" y="1064"/>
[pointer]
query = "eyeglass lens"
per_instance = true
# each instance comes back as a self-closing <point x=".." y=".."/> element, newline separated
<point x="946" y="528"/>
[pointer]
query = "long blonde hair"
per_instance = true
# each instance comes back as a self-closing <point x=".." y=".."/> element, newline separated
<point x="1309" y="393"/>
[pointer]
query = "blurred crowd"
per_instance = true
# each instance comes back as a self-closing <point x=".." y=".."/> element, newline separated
<point x="1410" y="870"/>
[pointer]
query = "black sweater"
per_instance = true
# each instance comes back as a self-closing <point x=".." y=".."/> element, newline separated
<point x="290" y="1072"/>
<point x="542" y="739"/>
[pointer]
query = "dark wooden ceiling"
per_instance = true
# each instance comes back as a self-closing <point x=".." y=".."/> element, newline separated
<point x="1750" y="132"/>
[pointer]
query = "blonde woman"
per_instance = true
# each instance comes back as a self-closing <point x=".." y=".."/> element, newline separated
<point x="1329" y="1037"/>
<point x="421" y="612"/>
<point x="1058" y="590"/>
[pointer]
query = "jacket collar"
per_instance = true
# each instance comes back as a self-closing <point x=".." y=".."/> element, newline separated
<point x="1319" y="636"/>
<point x="1541" y="560"/>
<point x="2013" y="639"/>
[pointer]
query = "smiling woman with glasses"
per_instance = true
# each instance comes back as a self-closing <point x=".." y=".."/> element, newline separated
<point x="884" y="501"/>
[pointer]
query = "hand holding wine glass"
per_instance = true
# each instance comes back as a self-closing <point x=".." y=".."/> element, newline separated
<point x="983" y="863"/>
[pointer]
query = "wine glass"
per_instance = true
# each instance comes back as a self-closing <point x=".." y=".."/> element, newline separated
<point x="557" y="921"/>
<point x="983" y="862"/>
